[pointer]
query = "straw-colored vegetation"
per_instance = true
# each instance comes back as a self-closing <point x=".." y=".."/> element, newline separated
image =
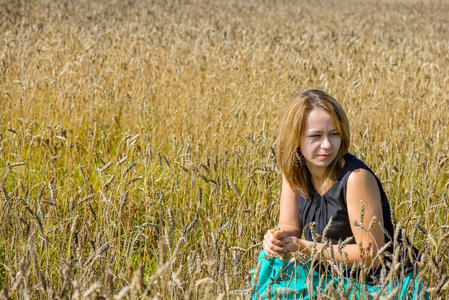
<point x="136" y="137"/>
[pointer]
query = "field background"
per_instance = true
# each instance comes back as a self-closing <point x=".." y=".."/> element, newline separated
<point x="136" y="137"/>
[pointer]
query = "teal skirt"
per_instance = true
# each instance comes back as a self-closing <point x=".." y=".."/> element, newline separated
<point x="274" y="277"/>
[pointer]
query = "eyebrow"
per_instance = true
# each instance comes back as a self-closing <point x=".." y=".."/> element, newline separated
<point x="312" y="131"/>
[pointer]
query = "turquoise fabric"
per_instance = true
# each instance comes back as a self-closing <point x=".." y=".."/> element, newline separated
<point x="288" y="280"/>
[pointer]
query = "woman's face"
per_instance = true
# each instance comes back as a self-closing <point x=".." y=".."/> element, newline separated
<point x="321" y="140"/>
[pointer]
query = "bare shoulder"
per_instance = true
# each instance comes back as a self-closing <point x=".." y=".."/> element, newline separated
<point x="362" y="184"/>
<point x="361" y="177"/>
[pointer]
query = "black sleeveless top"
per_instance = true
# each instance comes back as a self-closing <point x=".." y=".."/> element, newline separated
<point x="320" y="209"/>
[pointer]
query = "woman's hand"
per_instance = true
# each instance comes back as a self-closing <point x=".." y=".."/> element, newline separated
<point x="291" y="244"/>
<point x="273" y="244"/>
<point x="279" y="243"/>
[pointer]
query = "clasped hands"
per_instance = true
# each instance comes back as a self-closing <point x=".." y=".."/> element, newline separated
<point x="280" y="243"/>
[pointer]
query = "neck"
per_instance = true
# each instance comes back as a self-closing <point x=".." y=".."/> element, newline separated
<point x="318" y="177"/>
<point x="317" y="174"/>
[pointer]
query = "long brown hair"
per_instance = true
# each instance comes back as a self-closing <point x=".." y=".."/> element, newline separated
<point x="291" y="131"/>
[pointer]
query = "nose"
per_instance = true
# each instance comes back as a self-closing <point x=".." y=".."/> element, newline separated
<point x="326" y="143"/>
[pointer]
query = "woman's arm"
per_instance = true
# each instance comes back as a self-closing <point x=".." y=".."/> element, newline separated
<point x="362" y="185"/>
<point x="289" y="219"/>
<point x="289" y="222"/>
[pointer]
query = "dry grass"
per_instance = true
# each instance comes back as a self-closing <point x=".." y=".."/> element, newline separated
<point x="136" y="136"/>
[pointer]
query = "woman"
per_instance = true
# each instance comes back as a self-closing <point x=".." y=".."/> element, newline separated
<point x="339" y="205"/>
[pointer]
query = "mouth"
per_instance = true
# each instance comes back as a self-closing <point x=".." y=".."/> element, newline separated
<point x="324" y="156"/>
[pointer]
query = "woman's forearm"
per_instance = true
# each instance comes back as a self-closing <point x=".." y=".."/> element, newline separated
<point x="290" y="229"/>
<point x="349" y="254"/>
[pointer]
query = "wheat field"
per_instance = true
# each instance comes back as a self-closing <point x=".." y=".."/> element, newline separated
<point x="137" y="137"/>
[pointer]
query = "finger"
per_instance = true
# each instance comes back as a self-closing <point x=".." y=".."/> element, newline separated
<point x="273" y="240"/>
<point x="280" y="234"/>
<point x="276" y="249"/>
<point x="272" y="253"/>
<point x="270" y="233"/>
<point x="267" y="249"/>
